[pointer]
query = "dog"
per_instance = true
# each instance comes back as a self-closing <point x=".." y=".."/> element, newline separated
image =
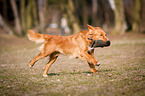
<point x="80" y="45"/>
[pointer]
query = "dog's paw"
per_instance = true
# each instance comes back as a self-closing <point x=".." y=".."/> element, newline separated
<point x="30" y="66"/>
<point x="45" y="75"/>
<point x="98" y="64"/>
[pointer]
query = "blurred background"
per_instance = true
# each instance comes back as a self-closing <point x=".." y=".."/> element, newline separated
<point x="65" y="17"/>
<point x="122" y="70"/>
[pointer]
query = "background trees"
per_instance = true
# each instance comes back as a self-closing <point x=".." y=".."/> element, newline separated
<point x="114" y="16"/>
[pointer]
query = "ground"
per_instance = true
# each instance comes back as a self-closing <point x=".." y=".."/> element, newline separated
<point x="121" y="73"/>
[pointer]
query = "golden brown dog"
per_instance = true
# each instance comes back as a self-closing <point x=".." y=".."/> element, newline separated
<point x="80" y="45"/>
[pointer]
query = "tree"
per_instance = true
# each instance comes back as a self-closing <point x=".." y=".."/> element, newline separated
<point x="34" y="12"/>
<point x="94" y="11"/>
<point x="119" y="23"/>
<point x="72" y="17"/>
<point x="5" y="26"/>
<point x="17" y="20"/>
<point x="29" y="18"/>
<point x="23" y="17"/>
<point x="136" y="18"/>
<point x="142" y="20"/>
<point x="41" y="14"/>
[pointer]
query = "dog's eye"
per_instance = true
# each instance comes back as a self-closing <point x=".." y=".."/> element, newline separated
<point x="90" y="34"/>
<point x="101" y="35"/>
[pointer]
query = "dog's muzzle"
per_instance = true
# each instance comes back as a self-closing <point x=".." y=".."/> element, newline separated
<point x="100" y="43"/>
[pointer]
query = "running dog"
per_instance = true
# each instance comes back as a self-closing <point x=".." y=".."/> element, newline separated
<point x="80" y="45"/>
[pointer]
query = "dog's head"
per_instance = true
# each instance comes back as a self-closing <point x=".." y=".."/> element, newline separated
<point x="97" y="36"/>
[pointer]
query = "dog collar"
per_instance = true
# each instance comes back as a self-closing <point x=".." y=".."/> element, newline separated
<point x="93" y="44"/>
<point x="90" y="48"/>
<point x="90" y="39"/>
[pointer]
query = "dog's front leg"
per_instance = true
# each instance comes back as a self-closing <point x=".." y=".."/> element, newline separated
<point x="92" y="53"/>
<point x="90" y="58"/>
<point x="92" y="67"/>
<point x="91" y="61"/>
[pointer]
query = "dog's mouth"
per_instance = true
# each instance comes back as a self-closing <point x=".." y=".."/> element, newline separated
<point x="100" y="43"/>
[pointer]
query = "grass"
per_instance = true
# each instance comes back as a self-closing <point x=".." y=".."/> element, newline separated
<point x="122" y="72"/>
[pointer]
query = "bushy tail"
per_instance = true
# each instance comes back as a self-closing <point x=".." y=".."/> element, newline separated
<point x="38" y="38"/>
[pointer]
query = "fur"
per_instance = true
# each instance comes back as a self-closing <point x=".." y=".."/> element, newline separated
<point x="77" y="45"/>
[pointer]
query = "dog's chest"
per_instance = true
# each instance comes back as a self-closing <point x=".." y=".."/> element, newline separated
<point x="90" y="49"/>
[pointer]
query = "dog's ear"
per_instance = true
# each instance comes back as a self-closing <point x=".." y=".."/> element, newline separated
<point x="90" y="28"/>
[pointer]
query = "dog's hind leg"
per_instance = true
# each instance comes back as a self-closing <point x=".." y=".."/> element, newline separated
<point x="52" y="59"/>
<point x="40" y="56"/>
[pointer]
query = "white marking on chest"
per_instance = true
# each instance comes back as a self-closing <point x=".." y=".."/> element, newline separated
<point x="90" y="48"/>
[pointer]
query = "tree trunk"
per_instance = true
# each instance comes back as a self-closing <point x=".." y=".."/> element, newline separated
<point x="34" y="11"/>
<point x="84" y="13"/>
<point x="5" y="11"/>
<point x="94" y="11"/>
<point x="29" y="21"/>
<point x="4" y="26"/>
<point x="71" y="11"/>
<point x="119" y="27"/>
<point x="17" y="20"/>
<point x="41" y="14"/>
<point x="142" y="20"/>
<point x="106" y="13"/>
<point x="136" y="18"/>
<point x="23" y="15"/>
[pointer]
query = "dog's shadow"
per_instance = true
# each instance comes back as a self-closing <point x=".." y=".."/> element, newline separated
<point x="53" y="74"/>
<point x="75" y="73"/>
<point x="71" y="73"/>
<point x="107" y="70"/>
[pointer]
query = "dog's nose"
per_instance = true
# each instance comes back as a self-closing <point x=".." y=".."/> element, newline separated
<point x="108" y="43"/>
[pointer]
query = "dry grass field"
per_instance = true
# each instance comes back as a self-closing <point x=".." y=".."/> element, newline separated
<point x="122" y="70"/>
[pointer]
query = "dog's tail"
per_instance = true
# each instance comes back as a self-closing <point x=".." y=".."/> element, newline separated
<point x="38" y="38"/>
